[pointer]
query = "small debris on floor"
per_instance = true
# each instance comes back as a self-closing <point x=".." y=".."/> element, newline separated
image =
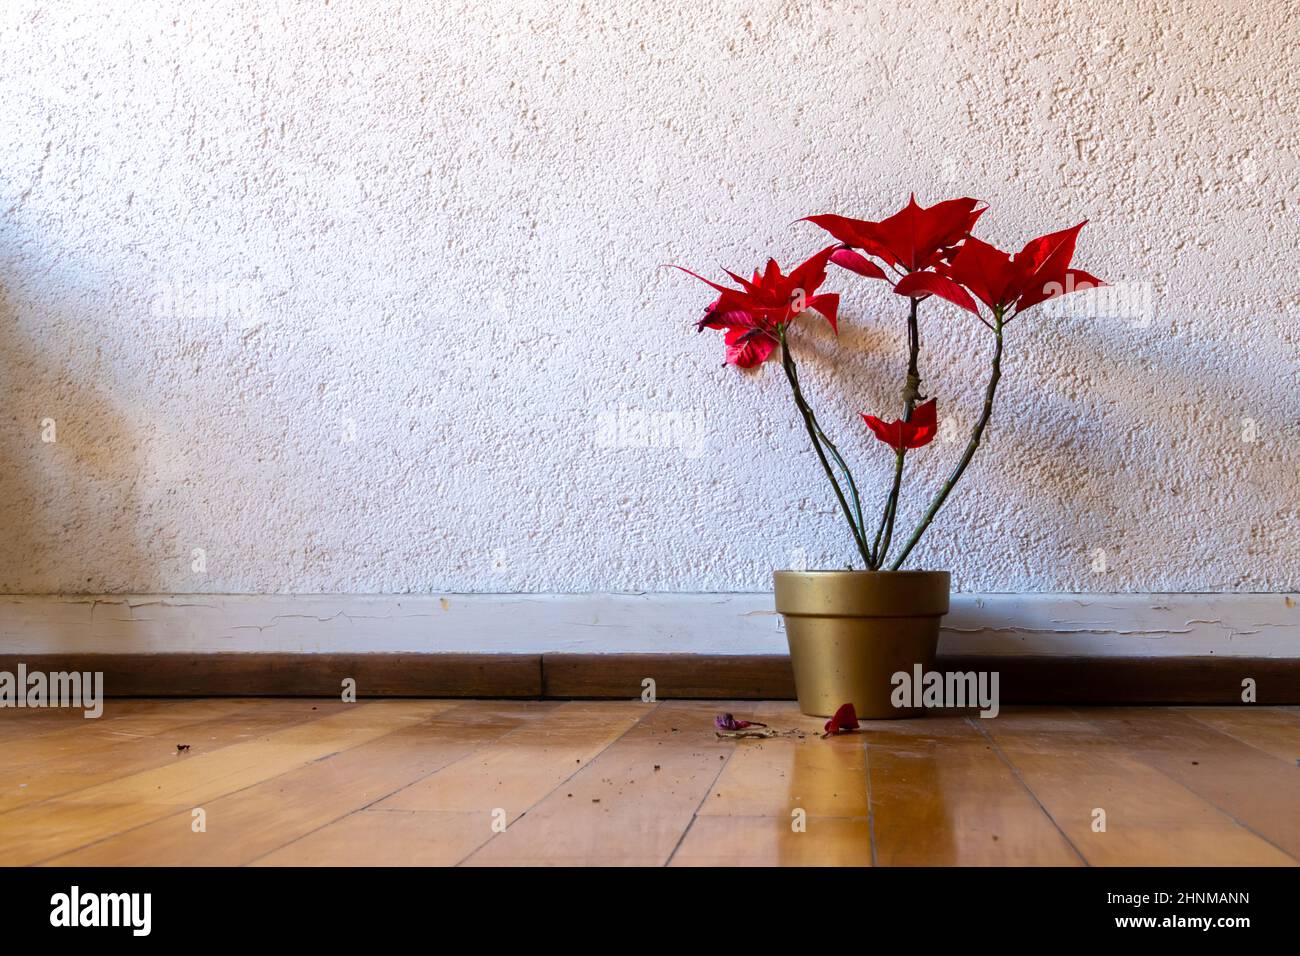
<point x="730" y="722"/>
<point x="759" y="734"/>
<point x="657" y="766"/>
<point x="181" y="748"/>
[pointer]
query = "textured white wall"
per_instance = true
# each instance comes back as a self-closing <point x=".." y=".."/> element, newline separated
<point x="362" y="296"/>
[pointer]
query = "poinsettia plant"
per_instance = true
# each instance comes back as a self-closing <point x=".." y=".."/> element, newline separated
<point x="924" y="254"/>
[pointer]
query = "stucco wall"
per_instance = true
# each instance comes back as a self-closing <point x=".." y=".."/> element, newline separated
<point x="364" y="296"/>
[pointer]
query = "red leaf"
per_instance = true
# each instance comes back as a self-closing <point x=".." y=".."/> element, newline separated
<point x="754" y="315"/>
<point x="887" y="432"/>
<point x="924" y="424"/>
<point x="747" y="348"/>
<point x="985" y="270"/>
<point x="846" y="230"/>
<point x="728" y="722"/>
<point x="845" y="720"/>
<point x="857" y="262"/>
<point x="913" y="238"/>
<point x="1042" y="265"/>
<point x="1076" y="280"/>
<point x="916" y="284"/>
<point x="915" y="432"/>
<point x="828" y="305"/>
<point x="708" y="282"/>
<point x="1038" y="272"/>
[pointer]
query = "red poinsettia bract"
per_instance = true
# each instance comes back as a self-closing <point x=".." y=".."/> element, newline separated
<point x="922" y="252"/>
<point x="752" y="316"/>
<point x="844" y="720"/>
<point x="1005" y="283"/>
<point x="899" y="434"/>
<point x="913" y="239"/>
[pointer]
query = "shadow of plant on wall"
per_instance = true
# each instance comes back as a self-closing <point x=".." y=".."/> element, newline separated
<point x="1126" y="418"/>
<point x="1104" y="467"/>
<point x="71" y="464"/>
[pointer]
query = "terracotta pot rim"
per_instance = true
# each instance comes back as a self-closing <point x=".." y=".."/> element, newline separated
<point x="862" y="593"/>
<point x="830" y="571"/>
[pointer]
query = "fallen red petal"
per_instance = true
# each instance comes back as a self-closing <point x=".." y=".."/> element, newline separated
<point x="845" y="720"/>
<point x="728" y="722"/>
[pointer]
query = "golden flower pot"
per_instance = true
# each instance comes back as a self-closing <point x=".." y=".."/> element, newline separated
<point x="851" y="631"/>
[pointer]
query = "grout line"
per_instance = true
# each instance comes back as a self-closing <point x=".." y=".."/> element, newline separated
<point x="1021" y="780"/>
<point x="871" y="803"/>
<point x="594" y="757"/>
<point x="474" y="749"/>
<point x="695" y="814"/>
<point x="1191" y="715"/>
<point x="185" y="728"/>
<point x="1137" y="755"/>
<point x="171" y="813"/>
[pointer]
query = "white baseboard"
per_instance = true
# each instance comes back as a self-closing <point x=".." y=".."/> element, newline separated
<point x="1053" y="625"/>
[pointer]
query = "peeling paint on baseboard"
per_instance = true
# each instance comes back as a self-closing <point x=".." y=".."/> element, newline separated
<point x="1118" y="625"/>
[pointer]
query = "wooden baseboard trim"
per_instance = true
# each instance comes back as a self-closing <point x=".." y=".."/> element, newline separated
<point x="1022" y="680"/>
<point x="299" y="675"/>
<point x="1146" y="680"/>
<point x="701" y="676"/>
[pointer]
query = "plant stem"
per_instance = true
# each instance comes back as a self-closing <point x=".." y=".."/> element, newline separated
<point x="995" y="373"/>
<point x="891" y="511"/>
<point x="859" y="525"/>
<point x="911" y="392"/>
<point x="817" y="436"/>
<point x="891" y="503"/>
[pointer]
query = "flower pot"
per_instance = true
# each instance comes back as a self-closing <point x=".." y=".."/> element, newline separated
<point x="851" y="631"/>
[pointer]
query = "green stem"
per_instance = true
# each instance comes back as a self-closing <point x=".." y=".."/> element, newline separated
<point x="891" y="510"/>
<point x="911" y="392"/>
<point x="816" y="435"/>
<point x="995" y="373"/>
<point x="891" y="502"/>
<point x="859" y="524"/>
